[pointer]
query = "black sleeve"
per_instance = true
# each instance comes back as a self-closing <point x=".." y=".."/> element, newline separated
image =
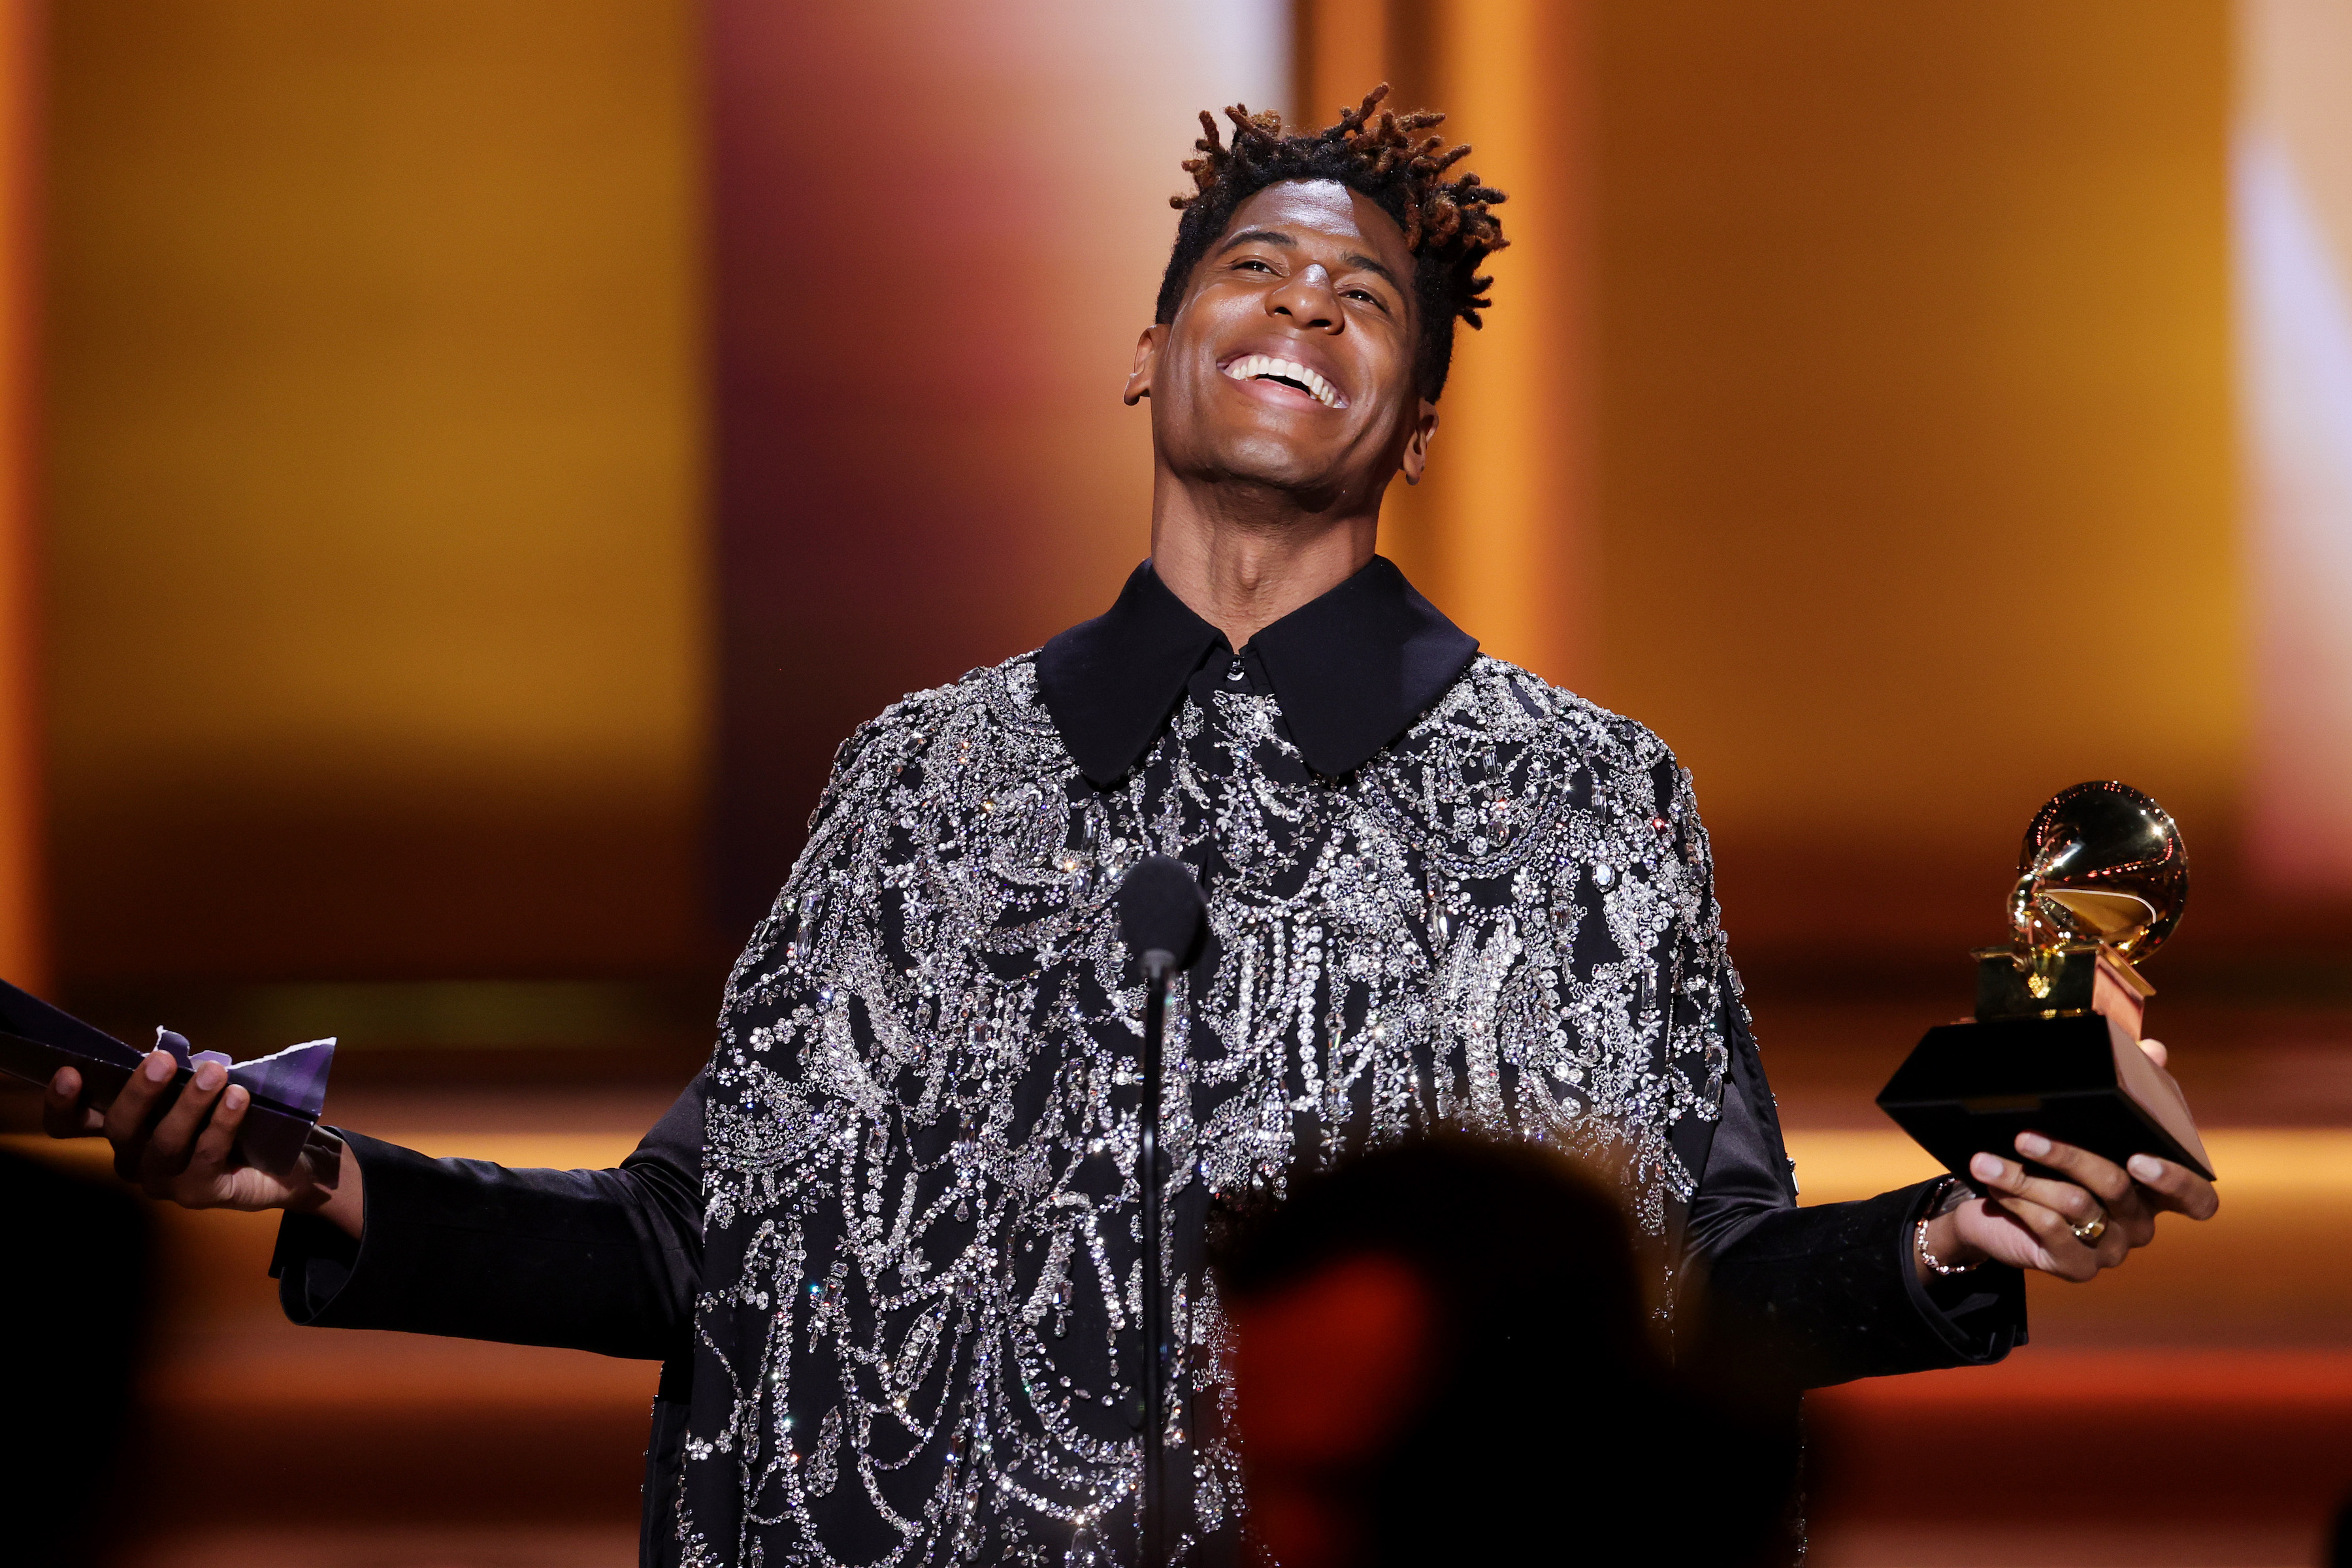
<point x="595" y="1260"/>
<point x="1828" y="1293"/>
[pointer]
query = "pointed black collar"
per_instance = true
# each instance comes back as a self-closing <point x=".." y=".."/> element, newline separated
<point x="1351" y="670"/>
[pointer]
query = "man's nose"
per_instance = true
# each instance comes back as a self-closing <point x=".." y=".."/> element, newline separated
<point x="1306" y="297"/>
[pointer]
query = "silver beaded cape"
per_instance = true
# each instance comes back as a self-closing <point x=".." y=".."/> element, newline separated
<point x="917" y="1339"/>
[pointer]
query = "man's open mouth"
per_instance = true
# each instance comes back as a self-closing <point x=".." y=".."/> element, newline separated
<point x="1265" y="367"/>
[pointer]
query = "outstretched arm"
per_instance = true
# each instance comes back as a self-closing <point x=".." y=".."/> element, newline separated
<point x="597" y="1260"/>
<point x="1838" y="1291"/>
<point x="1829" y="1292"/>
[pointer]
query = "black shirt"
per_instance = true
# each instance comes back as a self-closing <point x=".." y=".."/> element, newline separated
<point x="886" y="1243"/>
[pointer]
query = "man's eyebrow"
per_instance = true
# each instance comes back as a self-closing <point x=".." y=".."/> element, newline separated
<point x="1366" y="264"/>
<point x="1261" y="236"/>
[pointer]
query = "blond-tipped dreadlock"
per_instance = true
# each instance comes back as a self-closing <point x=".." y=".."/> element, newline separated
<point x="1448" y="224"/>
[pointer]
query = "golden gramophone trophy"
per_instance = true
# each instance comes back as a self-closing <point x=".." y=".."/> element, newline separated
<point x="2054" y="1046"/>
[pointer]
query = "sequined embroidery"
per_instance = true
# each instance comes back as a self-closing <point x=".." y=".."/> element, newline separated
<point x="921" y="1344"/>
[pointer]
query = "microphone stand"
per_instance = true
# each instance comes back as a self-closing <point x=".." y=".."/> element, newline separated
<point x="1158" y="968"/>
<point x="1164" y="920"/>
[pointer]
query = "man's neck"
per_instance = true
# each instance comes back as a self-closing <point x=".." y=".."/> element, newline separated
<point x="1240" y="563"/>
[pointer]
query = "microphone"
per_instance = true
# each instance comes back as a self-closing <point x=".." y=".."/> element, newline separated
<point x="1162" y="915"/>
<point x="1165" y="921"/>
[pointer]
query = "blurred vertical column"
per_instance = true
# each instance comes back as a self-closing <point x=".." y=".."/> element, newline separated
<point x="1498" y="532"/>
<point x="2293" y="196"/>
<point x="1512" y="492"/>
<point x="938" y="230"/>
<point x="24" y="938"/>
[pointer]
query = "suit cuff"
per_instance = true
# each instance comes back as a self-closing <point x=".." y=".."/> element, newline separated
<point x="315" y="1259"/>
<point x="1979" y="1315"/>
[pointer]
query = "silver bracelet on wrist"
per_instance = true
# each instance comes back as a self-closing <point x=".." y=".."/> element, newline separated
<point x="1942" y="1205"/>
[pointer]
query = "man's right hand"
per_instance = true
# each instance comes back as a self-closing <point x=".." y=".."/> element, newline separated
<point x="186" y="1154"/>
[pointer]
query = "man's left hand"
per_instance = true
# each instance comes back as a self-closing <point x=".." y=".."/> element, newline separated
<point x="2040" y="1222"/>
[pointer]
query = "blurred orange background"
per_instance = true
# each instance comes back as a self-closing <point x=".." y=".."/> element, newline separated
<point x="468" y="462"/>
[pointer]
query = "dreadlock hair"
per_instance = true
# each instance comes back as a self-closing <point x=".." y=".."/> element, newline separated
<point x="1374" y="150"/>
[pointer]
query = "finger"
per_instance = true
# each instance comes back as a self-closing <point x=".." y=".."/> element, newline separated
<point x="2106" y="1181"/>
<point x="2006" y="1178"/>
<point x="2175" y="1187"/>
<point x="217" y="1146"/>
<point x="2061" y="1253"/>
<point x="2157" y="1053"/>
<point x="174" y="1137"/>
<point x="63" y="1115"/>
<point x="126" y="1120"/>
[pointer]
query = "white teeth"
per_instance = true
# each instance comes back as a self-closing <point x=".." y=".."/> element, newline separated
<point x="1249" y="367"/>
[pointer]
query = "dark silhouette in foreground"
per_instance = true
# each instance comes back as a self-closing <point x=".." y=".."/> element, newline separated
<point x="78" y="1276"/>
<point x="1442" y="1354"/>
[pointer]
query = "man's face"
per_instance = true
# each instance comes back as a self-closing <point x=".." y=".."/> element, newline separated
<point x="1290" y="362"/>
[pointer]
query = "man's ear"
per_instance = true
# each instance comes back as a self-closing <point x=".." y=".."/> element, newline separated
<point x="1416" y="447"/>
<point x="1147" y="357"/>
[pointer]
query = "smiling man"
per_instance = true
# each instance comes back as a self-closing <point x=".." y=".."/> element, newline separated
<point x="888" y="1244"/>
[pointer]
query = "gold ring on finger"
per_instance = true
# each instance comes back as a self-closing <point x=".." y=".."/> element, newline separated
<point x="2091" y="1230"/>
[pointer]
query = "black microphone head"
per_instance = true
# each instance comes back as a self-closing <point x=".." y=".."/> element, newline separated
<point x="1161" y="909"/>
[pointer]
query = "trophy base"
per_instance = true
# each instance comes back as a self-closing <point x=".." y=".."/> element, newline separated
<point x="2078" y="1078"/>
